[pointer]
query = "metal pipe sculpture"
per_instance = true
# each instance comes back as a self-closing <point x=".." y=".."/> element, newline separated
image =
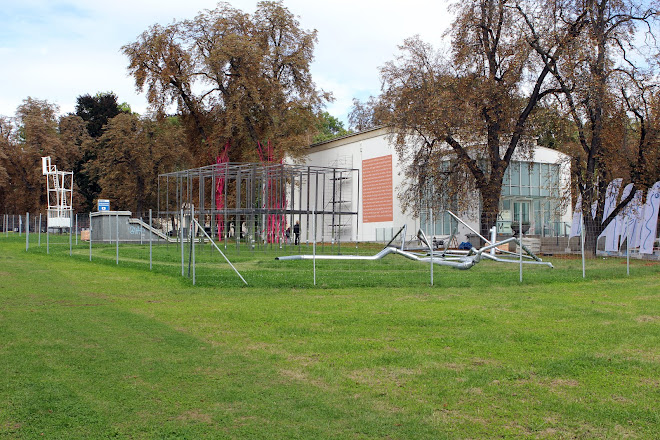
<point x="461" y="261"/>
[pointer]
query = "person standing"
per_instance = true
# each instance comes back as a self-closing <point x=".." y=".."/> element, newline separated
<point x="296" y="232"/>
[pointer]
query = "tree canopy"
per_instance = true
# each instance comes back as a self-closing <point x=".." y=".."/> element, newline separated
<point x="329" y="127"/>
<point x="471" y="108"/>
<point x="459" y="118"/>
<point x="603" y="85"/>
<point x="234" y="77"/>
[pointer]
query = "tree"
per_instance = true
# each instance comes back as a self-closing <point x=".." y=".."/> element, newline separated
<point x="234" y="77"/>
<point x="365" y="115"/>
<point x="329" y="127"/>
<point x="95" y="111"/>
<point x="36" y="136"/>
<point x="133" y="152"/>
<point x="6" y="145"/>
<point x="602" y="87"/>
<point x="457" y="122"/>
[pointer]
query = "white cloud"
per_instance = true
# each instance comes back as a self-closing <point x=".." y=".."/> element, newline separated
<point x="60" y="50"/>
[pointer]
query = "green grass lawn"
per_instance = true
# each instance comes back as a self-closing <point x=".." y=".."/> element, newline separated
<point x="97" y="350"/>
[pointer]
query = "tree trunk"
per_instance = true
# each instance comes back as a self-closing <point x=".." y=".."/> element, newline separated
<point x="490" y="200"/>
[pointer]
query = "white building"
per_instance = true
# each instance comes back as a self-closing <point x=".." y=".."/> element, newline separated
<point x="533" y="187"/>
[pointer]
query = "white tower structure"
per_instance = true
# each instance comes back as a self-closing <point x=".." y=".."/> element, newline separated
<point x="60" y="194"/>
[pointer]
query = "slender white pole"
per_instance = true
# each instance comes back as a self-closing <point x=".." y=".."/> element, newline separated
<point x="314" y="246"/>
<point x="584" y="274"/>
<point x="117" y="231"/>
<point x="192" y="240"/>
<point x="223" y="255"/>
<point x="39" y="229"/>
<point x="90" y="236"/>
<point x="181" y="236"/>
<point x="27" y="231"/>
<point x="47" y="237"/>
<point x="520" y="235"/>
<point x="431" y="241"/>
<point x="628" y="250"/>
<point x="76" y="229"/>
<point x="150" y="240"/>
<point x="70" y="234"/>
<point x="493" y="238"/>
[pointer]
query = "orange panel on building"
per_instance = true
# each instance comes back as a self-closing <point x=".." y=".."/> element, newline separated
<point x="377" y="189"/>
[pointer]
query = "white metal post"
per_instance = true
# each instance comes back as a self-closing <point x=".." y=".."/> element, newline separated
<point x="192" y="240"/>
<point x="584" y="274"/>
<point x="628" y="250"/>
<point x="314" y="246"/>
<point x="431" y="241"/>
<point x="150" y="240"/>
<point x="70" y="234"/>
<point x="90" y="236"/>
<point x="117" y="231"/>
<point x="27" y="231"/>
<point x="39" y="230"/>
<point x="520" y="237"/>
<point x="181" y="236"/>
<point x="493" y="238"/>
<point x="76" y="229"/>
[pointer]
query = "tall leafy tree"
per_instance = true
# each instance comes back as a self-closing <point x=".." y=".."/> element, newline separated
<point x="134" y="152"/>
<point x="365" y="115"/>
<point x="36" y="136"/>
<point x="234" y="77"/>
<point x="96" y="111"/>
<point x="329" y="127"/>
<point x="605" y="89"/>
<point x="458" y="120"/>
<point x="6" y="146"/>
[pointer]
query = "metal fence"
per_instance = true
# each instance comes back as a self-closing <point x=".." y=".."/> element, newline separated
<point x="183" y="245"/>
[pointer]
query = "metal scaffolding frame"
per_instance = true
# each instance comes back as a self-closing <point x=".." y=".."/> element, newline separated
<point x="258" y="202"/>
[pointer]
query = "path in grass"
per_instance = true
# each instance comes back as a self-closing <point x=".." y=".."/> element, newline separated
<point x="91" y="350"/>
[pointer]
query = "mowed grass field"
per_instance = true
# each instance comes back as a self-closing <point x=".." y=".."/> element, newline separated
<point x="99" y="350"/>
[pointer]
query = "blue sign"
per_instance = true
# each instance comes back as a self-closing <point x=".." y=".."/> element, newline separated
<point x="104" y="205"/>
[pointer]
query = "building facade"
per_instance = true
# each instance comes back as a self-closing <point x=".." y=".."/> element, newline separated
<point x="534" y="188"/>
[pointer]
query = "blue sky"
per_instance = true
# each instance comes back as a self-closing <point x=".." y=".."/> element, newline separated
<point x="58" y="50"/>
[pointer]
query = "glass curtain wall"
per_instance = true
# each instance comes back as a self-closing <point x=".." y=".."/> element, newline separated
<point x="532" y="190"/>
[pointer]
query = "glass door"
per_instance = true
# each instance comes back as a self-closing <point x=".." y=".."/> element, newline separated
<point x="521" y="208"/>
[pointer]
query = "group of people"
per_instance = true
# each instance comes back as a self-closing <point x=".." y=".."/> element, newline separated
<point x="296" y="233"/>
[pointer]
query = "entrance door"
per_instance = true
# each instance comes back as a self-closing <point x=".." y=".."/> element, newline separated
<point x="521" y="207"/>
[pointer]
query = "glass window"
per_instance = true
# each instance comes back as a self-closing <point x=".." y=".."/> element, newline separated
<point x="535" y="171"/>
<point x="506" y="182"/>
<point x="524" y="174"/>
<point x="554" y="176"/>
<point x="515" y="175"/>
